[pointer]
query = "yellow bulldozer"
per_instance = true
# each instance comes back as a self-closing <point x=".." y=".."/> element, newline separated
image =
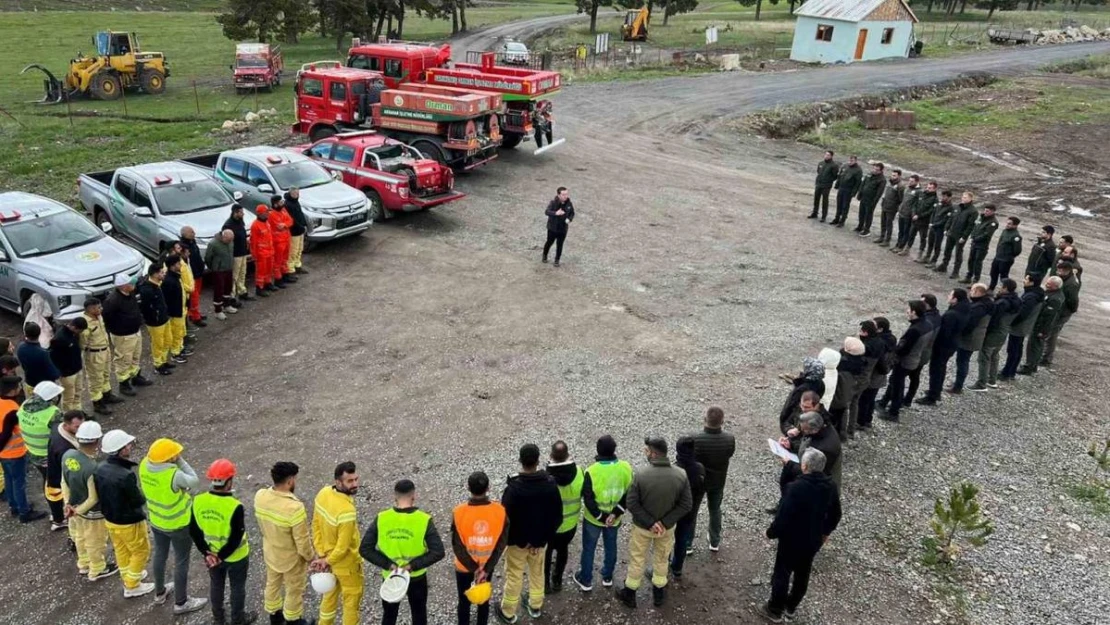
<point x="635" y="27"/>
<point x="117" y="65"/>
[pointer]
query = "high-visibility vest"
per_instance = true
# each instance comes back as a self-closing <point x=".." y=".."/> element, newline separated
<point x="169" y="509"/>
<point x="572" y="501"/>
<point x="609" y="481"/>
<point x="213" y="515"/>
<point x="479" y="527"/>
<point x="401" y="537"/>
<point x="15" y="448"/>
<point x="35" y="427"/>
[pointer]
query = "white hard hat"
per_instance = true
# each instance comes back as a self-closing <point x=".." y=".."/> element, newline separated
<point x="47" y="390"/>
<point x="395" y="587"/>
<point x="89" y="432"/>
<point x="115" y="440"/>
<point x="323" y="582"/>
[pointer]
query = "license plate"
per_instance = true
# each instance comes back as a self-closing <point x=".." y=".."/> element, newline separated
<point x="350" y="220"/>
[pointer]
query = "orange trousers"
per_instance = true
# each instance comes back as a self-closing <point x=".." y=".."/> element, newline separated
<point x="194" y="300"/>
<point x="263" y="270"/>
<point x="281" y="259"/>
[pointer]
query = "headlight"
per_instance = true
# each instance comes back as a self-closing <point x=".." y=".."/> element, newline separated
<point x="315" y="223"/>
<point x="64" y="301"/>
<point x="62" y="284"/>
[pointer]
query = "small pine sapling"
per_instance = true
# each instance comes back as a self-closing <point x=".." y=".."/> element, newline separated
<point x="959" y="520"/>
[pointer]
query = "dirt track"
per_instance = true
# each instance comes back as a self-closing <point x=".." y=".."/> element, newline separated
<point x="436" y="344"/>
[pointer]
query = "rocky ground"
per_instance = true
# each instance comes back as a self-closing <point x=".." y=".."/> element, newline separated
<point x="436" y="344"/>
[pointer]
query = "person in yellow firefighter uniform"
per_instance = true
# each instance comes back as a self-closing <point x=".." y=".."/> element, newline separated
<point x="98" y="358"/>
<point x="286" y="545"/>
<point x="335" y="536"/>
<point x="82" y="510"/>
<point x="121" y="502"/>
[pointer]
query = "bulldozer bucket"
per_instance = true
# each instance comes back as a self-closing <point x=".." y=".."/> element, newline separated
<point x="55" y="91"/>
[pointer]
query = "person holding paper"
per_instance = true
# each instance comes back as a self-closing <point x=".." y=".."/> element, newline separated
<point x="813" y="432"/>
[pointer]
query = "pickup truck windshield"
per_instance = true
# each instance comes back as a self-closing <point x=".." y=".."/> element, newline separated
<point x="51" y="233"/>
<point x="251" y="62"/>
<point x="302" y="174"/>
<point x="390" y="151"/>
<point x="189" y="197"/>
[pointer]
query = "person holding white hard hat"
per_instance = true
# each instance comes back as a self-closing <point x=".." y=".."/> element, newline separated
<point x="86" y="521"/>
<point x="122" y="502"/>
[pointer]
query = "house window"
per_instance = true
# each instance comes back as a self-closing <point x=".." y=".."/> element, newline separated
<point x="888" y="35"/>
<point x="824" y="32"/>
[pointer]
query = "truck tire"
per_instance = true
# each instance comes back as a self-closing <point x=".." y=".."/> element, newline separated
<point x="152" y="81"/>
<point x="100" y="216"/>
<point x="377" y="207"/>
<point x="510" y="140"/>
<point x="105" y="86"/>
<point x="431" y="150"/>
<point x="321" y="132"/>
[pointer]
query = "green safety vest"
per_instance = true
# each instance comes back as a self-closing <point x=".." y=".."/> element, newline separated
<point x="401" y="537"/>
<point x="610" y="481"/>
<point x="36" y="429"/>
<point x="572" y="501"/>
<point x="169" y="509"/>
<point x="213" y="516"/>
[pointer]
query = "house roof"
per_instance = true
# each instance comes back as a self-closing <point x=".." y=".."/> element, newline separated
<point x="846" y="10"/>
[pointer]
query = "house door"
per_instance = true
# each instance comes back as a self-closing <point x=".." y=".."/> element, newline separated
<point x="861" y="42"/>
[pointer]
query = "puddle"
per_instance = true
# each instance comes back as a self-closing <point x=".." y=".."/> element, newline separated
<point x="1021" y="197"/>
<point x="1059" y="206"/>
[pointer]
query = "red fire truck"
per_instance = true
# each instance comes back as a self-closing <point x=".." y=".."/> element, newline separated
<point x="456" y="127"/>
<point x="521" y="88"/>
<point x="257" y="66"/>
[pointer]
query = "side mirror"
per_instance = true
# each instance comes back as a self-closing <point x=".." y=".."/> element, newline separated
<point x="141" y="211"/>
<point x="336" y="175"/>
<point x="238" y="195"/>
<point x="265" y="188"/>
<point x="106" y="227"/>
<point x="4" y="256"/>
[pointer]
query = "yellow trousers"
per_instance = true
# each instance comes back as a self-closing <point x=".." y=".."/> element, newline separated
<point x="98" y="373"/>
<point x="296" y="250"/>
<point x="132" y="546"/>
<point x="285" y="591"/>
<point x="349" y="585"/>
<point x="177" y="335"/>
<point x="127" y="354"/>
<point x="72" y="386"/>
<point x="239" y="275"/>
<point x="91" y="538"/>
<point x="517" y="561"/>
<point x="159" y="343"/>
<point x="641" y="542"/>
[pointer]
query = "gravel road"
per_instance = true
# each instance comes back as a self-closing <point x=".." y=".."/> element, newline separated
<point x="437" y="344"/>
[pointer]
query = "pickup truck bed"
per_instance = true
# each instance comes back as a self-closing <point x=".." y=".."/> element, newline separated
<point x="103" y="177"/>
<point x="207" y="161"/>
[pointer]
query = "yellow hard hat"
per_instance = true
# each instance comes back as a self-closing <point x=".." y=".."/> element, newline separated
<point x="479" y="594"/>
<point x="163" y="450"/>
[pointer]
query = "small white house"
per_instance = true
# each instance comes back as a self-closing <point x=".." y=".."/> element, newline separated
<point x="842" y="31"/>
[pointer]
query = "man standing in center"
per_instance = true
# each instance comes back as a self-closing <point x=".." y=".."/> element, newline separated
<point x="980" y="237"/>
<point x="906" y="209"/>
<point x="560" y="212"/>
<point x="123" y="318"/>
<point x="569" y="478"/>
<point x="478" y="539"/>
<point x="847" y="185"/>
<point x="121" y="502"/>
<point x="219" y="257"/>
<point x="241" y="254"/>
<point x="98" y="358"/>
<point x="658" y="499"/>
<point x="1009" y="248"/>
<point x="1046" y="319"/>
<point x="713" y="448"/>
<point x="218" y="528"/>
<point x="827" y="171"/>
<point x="938" y="225"/>
<point x="1042" y="256"/>
<point x="870" y="190"/>
<point x="286" y="545"/>
<point x="959" y="229"/>
<point x="919" y="220"/>
<point x="892" y="199"/>
<point x="952" y="324"/>
<point x="535" y="510"/>
<point x="65" y="353"/>
<point x="604" y="488"/>
<point x="262" y="249"/>
<point x="335" y="536"/>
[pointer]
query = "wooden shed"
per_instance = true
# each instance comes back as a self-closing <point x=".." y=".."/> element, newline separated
<point x="843" y="31"/>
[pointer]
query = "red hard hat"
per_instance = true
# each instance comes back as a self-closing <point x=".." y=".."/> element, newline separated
<point x="221" y="470"/>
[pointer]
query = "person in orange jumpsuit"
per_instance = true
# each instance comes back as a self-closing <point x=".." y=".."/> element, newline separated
<point x="262" y="249"/>
<point x="281" y="223"/>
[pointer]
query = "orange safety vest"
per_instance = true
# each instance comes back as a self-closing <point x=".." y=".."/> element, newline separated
<point x="479" y="527"/>
<point x="15" y="448"/>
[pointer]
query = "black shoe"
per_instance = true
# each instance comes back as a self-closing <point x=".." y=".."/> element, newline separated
<point x="248" y="618"/>
<point x="302" y="270"/>
<point x="278" y="285"/>
<point x="126" y="389"/>
<point x="822" y="220"/>
<point x="163" y="370"/>
<point x="840" y="225"/>
<point x="277" y="619"/>
<point x="262" y="292"/>
<point x="179" y="359"/>
<point x="658" y="595"/>
<point x="892" y="417"/>
<point x="290" y="278"/>
<point x="32" y="516"/>
<point x="187" y="351"/>
<point x="247" y="297"/>
<point x="109" y="398"/>
<point x="765" y="612"/>
<point x="1027" y="370"/>
<point x="100" y="408"/>
<point x="952" y="390"/>
<point x="1005" y="378"/>
<point x="504" y="619"/>
<point x="543" y="260"/>
<point x="200" y="323"/>
<point x="139" y="380"/>
<point x="170" y="364"/>
<point x="556" y="263"/>
<point x="556" y="586"/>
<point x="965" y="281"/>
<point x="925" y="401"/>
<point x="812" y="216"/>
<point x="627" y="596"/>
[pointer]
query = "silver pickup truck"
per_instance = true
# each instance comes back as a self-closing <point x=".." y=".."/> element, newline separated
<point x="332" y="208"/>
<point x="50" y="249"/>
<point x="148" y="205"/>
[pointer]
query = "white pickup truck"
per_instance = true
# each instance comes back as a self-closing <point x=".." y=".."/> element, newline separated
<point x="148" y="205"/>
<point x="333" y="209"/>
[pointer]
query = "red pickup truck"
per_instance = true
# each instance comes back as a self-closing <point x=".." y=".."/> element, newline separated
<point x="395" y="177"/>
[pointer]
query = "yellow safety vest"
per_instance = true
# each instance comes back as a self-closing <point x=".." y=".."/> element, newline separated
<point x="213" y="516"/>
<point x="169" y="509"/>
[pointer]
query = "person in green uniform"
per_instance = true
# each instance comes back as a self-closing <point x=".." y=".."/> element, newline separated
<point x="218" y="529"/>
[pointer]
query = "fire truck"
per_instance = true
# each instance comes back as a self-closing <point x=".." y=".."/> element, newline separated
<point x="521" y="88"/>
<point x="456" y="127"/>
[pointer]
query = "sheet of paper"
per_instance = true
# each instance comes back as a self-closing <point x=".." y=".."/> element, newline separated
<point x="781" y="451"/>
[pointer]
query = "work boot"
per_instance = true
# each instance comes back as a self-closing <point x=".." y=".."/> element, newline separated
<point x="109" y="398"/>
<point x="163" y="370"/>
<point x="658" y="595"/>
<point x="812" y="216"/>
<point x="965" y="281"/>
<point x="953" y="275"/>
<point x="260" y="292"/>
<point x="200" y="323"/>
<point x="940" y="268"/>
<point x="289" y="278"/>
<point x="302" y="270"/>
<point x="246" y="297"/>
<point x="248" y="618"/>
<point x="627" y="596"/>
<point x="277" y="619"/>
<point x="139" y="380"/>
<point x="125" y="388"/>
<point x="278" y="284"/>
<point x="100" y="408"/>
<point x="32" y="516"/>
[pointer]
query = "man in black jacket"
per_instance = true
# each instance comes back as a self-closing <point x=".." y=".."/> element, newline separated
<point x="713" y="448"/>
<point x="870" y="190"/>
<point x="980" y="238"/>
<point x="907" y="358"/>
<point x="1046" y="320"/>
<point x="1006" y="308"/>
<point x="971" y="339"/>
<point x="65" y="353"/>
<point x="848" y="181"/>
<point x="560" y="212"/>
<point x="156" y="317"/>
<point x="1043" y="254"/>
<point x="124" y="319"/>
<point x="933" y="319"/>
<point x="959" y="229"/>
<point x="814" y="431"/>
<point x="1009" y="248"/>
<point x="919" y="220"/>
<point x="809" y="513"/>
<point x="174" y="296"/>
<point x="122" y="502"/>
<point x="952" y="324"/>
<point x="534" y="509"/>
<point x="882" y="349"/>
<point x="297" y="232"/>
<point x="569" y="479"/>
<point x="686" y="459"/>
<point x="911" y="194"/>
<point x="242" y="254"/>
<point x="827" y="173"/>
<point x="1031" y="301"/>
<point x="1065" y="269"/>
<point x="872" y="346"/>
<point x="63" y="438"/>
<point x="938" y="224"/>
<point x="892" y="199"/>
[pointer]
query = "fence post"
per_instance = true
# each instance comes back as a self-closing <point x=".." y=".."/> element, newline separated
<point x="69" y="111"/>
<point x="123" y="94"/>
<point x="196" y="97"/>
<point x="256" y="98"/>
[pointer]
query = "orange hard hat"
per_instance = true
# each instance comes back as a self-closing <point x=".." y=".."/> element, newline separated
<point x="261" y="208"/>
<point x="221" y="470"/>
